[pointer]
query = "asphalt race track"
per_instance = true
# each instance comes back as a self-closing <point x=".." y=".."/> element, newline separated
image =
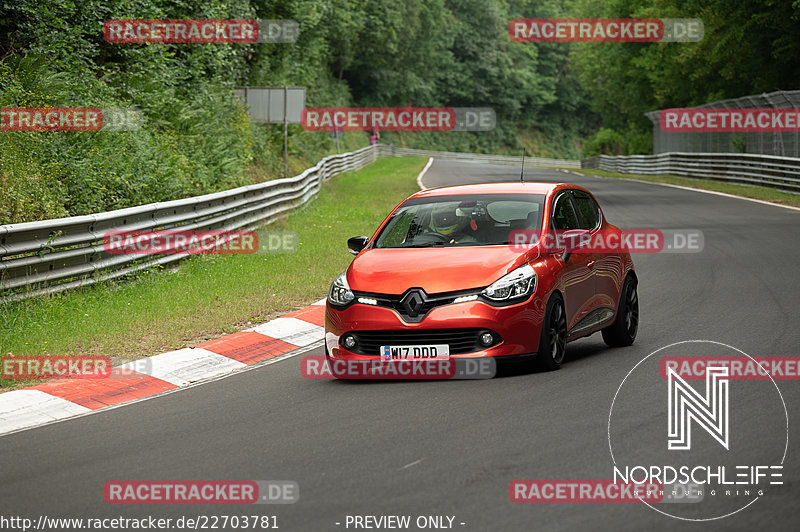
<point x="449" y="447"/>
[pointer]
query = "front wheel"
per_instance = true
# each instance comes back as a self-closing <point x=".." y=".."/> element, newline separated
<point x="553" y="343"/>
<point x="623" y="331"/>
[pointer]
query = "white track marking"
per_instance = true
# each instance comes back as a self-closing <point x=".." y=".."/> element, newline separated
<point x="188" y="365"/>
<point x="695" y="190"/>
<point x="420" y="184"/>
<point x="291" y="330"/>
<point x="20" y="409"/>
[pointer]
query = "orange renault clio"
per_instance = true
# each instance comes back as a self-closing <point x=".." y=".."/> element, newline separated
<point x="445" y="277"/>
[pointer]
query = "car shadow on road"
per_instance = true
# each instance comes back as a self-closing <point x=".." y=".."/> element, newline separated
<point x="576" y="351"/>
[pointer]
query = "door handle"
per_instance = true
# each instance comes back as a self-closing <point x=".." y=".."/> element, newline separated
<point x="590" y="264"/>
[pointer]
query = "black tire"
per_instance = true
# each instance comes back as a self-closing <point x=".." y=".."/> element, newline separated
<point x="623" y="331"/>
<point x="553" y="342"/>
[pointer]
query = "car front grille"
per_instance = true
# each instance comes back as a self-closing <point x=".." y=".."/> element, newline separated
<point x="414" y="304"/>
<point x="460" y="340"/>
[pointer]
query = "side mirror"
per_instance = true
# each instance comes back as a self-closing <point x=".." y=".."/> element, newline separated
<point x="356" y="244"/>
<point x="564" y="243"/>
<point x="560" y="249"/>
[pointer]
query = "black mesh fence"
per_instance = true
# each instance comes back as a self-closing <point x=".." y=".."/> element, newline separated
<point x="764" y="142"/>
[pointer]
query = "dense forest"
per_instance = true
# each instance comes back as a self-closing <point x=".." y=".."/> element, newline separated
<point x="551" y="99"/>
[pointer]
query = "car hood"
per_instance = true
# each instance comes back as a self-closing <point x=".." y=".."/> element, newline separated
<point x="437" y="269"/>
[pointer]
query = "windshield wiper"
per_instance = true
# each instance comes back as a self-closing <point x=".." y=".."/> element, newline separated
<point x="425" y="245"/>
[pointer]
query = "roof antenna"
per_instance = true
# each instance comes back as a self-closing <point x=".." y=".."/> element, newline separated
<point x="522" y="170"/>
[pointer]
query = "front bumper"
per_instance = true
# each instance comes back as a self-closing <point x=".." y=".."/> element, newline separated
<point x="518" y="327"/>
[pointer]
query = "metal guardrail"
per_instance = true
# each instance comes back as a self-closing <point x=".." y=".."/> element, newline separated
<point x="391" y="151"/>
<point x="49" y="256"/>
<point x="751" y="169"/>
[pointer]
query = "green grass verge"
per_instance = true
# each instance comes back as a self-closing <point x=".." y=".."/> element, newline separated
<point x="747" y="191"/>
<point x="212" y="295"/>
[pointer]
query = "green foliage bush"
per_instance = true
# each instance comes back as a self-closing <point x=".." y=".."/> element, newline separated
<point x="605" y="142"/>
<point x="749" y="47"/>
<point x="197" y="140"/>
<point x="612" y="142"/>
<point x="457" y="53"/>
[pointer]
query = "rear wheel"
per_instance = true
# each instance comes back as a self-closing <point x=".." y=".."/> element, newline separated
<point x="553" y="342"/>
<point x="623" y="331"/>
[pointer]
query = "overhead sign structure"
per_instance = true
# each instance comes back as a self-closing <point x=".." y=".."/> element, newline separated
<point x="274" y="105"/>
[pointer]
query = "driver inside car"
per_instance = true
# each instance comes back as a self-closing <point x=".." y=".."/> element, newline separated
<point x="450" y="221"/>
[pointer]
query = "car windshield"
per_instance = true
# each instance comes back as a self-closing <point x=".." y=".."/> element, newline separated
<point x="464" y="220"/>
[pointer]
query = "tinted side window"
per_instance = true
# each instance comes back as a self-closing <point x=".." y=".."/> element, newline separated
<point x="587" y="209"/>
<point x="563" y="214"/>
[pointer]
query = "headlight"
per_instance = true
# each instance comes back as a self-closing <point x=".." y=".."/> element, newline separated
<point x="512" y="285"/>
<point x="340" y="293"/>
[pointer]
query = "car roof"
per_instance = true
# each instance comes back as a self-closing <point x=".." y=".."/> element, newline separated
<point x="527" y="187"/>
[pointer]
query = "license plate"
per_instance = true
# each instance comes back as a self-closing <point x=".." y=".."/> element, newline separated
<point x="390" y="353"/>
